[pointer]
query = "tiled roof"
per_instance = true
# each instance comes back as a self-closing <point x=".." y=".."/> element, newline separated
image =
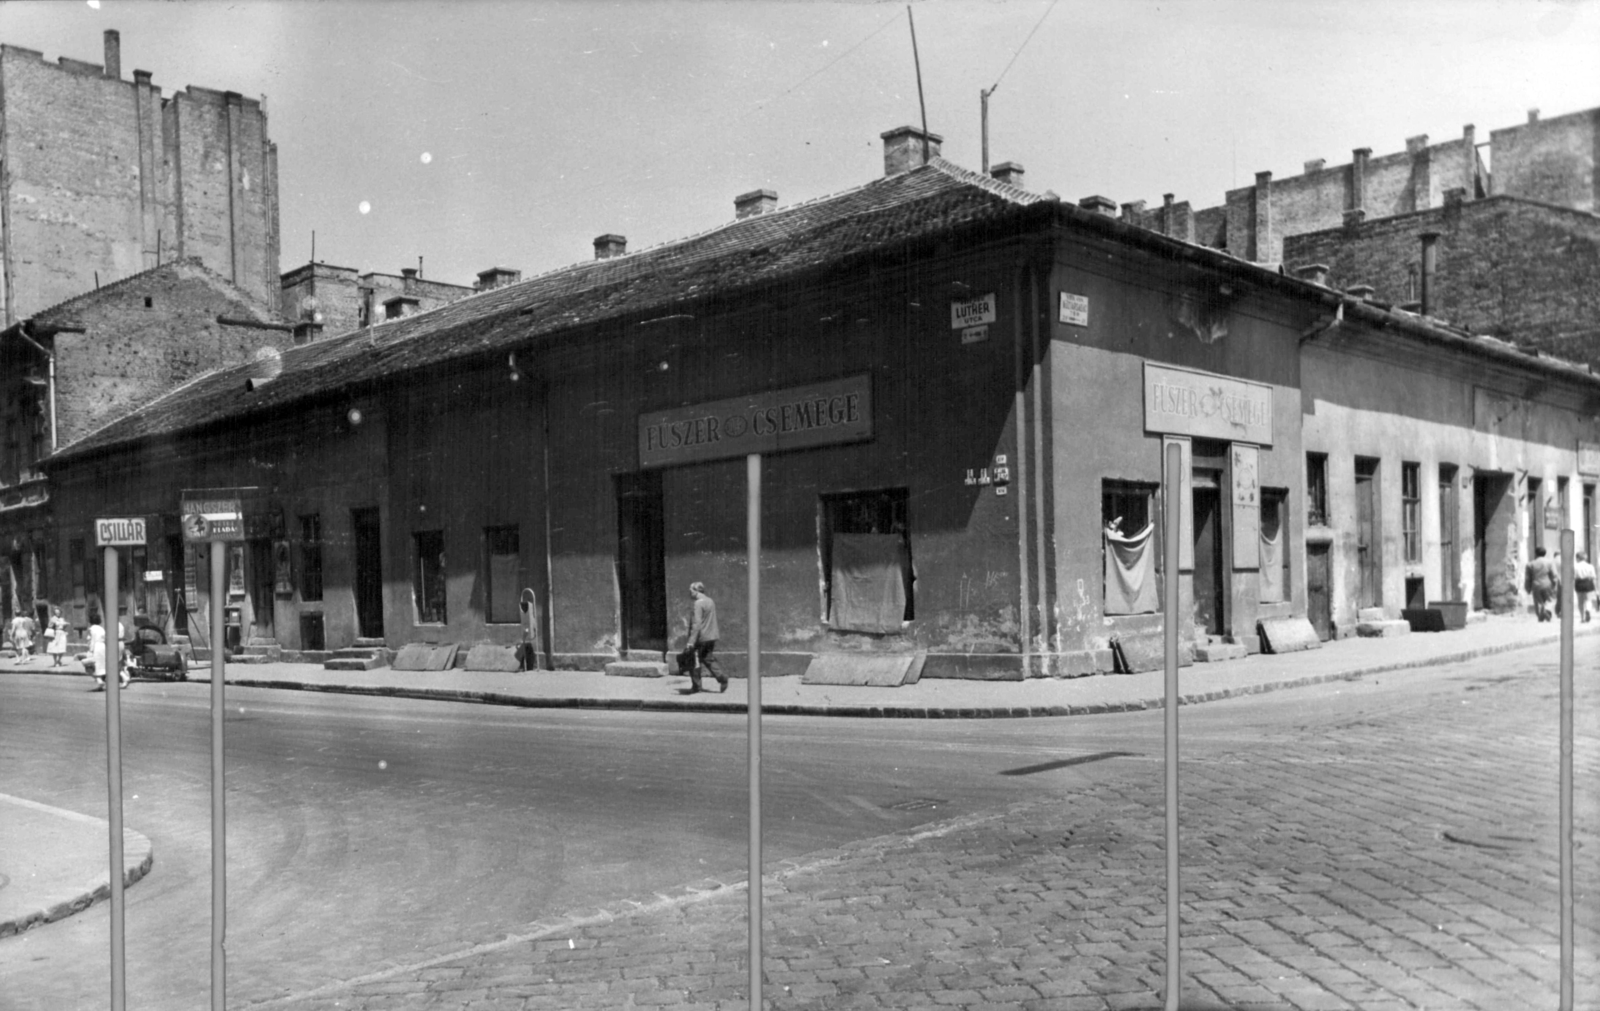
<point x="928" y="201"/>
<point x="190" y="267"/>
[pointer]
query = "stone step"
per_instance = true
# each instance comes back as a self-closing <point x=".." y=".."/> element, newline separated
<point x="354" y="663"/>
<point x="1212" y="652"/>
<point x="370" y="644"/>
<point x="1370" y="614"/>
<point x="1383" y="629"/>
<point x="637" y="669"/>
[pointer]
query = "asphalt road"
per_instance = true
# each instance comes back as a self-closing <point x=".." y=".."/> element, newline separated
<point x="366" y="832"/>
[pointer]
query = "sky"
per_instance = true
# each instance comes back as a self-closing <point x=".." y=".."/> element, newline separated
<point x="479" y="133"/>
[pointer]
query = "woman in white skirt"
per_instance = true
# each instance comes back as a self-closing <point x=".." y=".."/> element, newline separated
<point x="57" y="636"/>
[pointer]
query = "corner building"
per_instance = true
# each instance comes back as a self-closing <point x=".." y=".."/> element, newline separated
<point x="961" y="392"/>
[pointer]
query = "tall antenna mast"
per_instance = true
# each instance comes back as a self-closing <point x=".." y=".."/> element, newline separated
<point x="920" y="102"/>
<point x="983" y="97"/>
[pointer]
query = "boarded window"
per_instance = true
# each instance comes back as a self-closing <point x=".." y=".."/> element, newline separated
<point x="428" y="577"/>
<point x="868" y="583"/>
<point x="311" y="557"/>
<point x="502" y="546"/>
<point x="1274" y="545"/>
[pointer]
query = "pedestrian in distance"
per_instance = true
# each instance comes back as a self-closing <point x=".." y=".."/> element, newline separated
<point x="56" y="637"/>
<point x="703" y="634"/>
<point x="1543" y="580"/>
<point x="22" y="637"/>
<point x="1583" y="584"/>
<point x="95" y="663"/>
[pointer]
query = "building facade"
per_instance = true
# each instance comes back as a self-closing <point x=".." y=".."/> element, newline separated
<point x="960" y="392"/>
<point x="332" y="300"/>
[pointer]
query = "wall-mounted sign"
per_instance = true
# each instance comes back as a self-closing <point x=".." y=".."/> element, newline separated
<point x="212" y="520"/>
<point x="1554" y="516"/>
<point x="972" y="312"/>
<point x="1187" y="402"/>
<point x="1589" y="458"/>
<point x="801" y="417"/>
<point x="116" y="533"/>
<point x="1074" y="309"/>
<point x="974" y="334"/>
<point x="1244" y="464"/>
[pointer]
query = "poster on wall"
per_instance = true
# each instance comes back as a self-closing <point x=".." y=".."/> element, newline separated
<point x="1246" y="507"/>
<point x="236" y="570"/>
<point x="283" y="580"/>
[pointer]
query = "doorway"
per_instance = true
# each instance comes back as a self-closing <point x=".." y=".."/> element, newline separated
<point x="1494" y="542"/>
<point x="369" y="572"/>
<point x="1319" y="589"/>
<point x="641" y="561"/>
<point x="261" y="571"/>
<point x="1449" y="534"/>
<point x="1210" y="611"/>
<point x="1369" y="545"/>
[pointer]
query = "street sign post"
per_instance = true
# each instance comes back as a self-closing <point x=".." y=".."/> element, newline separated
<point x="110" y="534"/>
<point x="216" y="517"/>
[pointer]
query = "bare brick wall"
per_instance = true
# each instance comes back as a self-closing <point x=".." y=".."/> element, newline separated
<point x="131" y="352"/>
<point x="103" y="174"/>
<point x="335" y="289"/>
<point x="1506" y="267"/>
<point x="1552" y="160"/>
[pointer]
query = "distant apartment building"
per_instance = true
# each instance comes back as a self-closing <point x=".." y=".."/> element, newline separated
<point x="332" y="300"/>
<point x="105" y="178"/>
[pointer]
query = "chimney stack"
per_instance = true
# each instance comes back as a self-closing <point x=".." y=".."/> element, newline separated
<point x="497" y="277"/>
<point x="1315" y="165"/>
<point x="1316" y="273"/>
<point x="747" y="205"/>
<point x="1533" y="114"/>
<point x="607" y="246"/>
<point x="903" y="149"/>
<point x="1099" y="205"/>
<point x="113" y="53"/>
<point x="1430" y="258"/>
<point x="1362" y="291"/>
<point x="1358" y="178"/>
<point x="408" y="281"/>
<point x="1263" y="252"/>
<point x="1008" y="172"/>
<point x="1131" y="212"/>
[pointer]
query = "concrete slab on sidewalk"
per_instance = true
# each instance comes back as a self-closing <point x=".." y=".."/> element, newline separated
<point x="54" y="863"/>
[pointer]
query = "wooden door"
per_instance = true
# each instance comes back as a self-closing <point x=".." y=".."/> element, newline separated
<point x="369" y="573"/>
<point x="1369" y="546"/>
<point x="1209" y="586"/>
<point x="1319" y="589"/>
<point x="1449" y="535"/>
<point x="641" y="561"/>
<point x="259" y="576"/>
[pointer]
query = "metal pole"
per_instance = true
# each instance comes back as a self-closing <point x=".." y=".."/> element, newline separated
<point x="219" y="835"/>
<point x="983" y="118"/>
<point x="920" y="102"/>
<point x="753" y="680"/>
<point x="113" y="680"/>
<point x="1172" y="505"/>
<point x="1568" y="607"/>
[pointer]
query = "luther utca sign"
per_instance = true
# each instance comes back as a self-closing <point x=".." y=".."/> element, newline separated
<point x="801" y="417"/>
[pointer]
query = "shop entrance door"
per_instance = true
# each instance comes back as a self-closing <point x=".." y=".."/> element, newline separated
<point x="369" y="573"/>
<point x="1369" y="547"/>
<point x="261" y="588"/>
<point x="1319" y="590"/>
<point x="641" y="561"/>
<point x="1209" y="607"/>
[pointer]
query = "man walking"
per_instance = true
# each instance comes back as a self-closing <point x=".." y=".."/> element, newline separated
<point x="703" y="634"/>
<point x="1544" y="582"/>
<point x="1583" y="584"/>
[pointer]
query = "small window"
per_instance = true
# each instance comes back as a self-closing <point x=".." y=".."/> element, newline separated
<point x="503" y="548"/>
<point x="1274" y="545"/>
<point x="1411" y="509"/>
<point x="311" y="557"/>
<point x="428" y="577"/>
<point x="1317" y="489"/>
<point x="149" y="303"/>
<point x="1131" y="549"/>
<point x="866" y="561"/>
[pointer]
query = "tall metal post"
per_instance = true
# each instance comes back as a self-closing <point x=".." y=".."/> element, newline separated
<point x="219" y="834"/>
<point x="1569" y="602"/>
<point x="753" y="594"/>
<point x="113" y="680"/>
<point x="1172" y="506"/>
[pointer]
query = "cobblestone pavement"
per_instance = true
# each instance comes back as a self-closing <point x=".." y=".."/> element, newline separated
<point x="1406" y="859"/>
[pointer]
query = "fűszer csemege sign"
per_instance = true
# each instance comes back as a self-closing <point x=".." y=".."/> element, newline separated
<point x="119" y="533"/>
<point x="801" y="417"/>
<point x="1188" y="402"/>
<point x="212" y="520"/>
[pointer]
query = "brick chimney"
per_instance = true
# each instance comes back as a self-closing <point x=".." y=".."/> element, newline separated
<point x="497" y="277"/>
<point x="903" y="147"/>
<point x="607" y="246"/>
<point x="408" y="280"/>
<point x="1316" y="273"/>
<point x="747" y="205"/>
<point x="1008" y="172"/>
<point x="113" y="53"/>
<point x="1099" y="205"/>
<point x="1131" y="212"/>
<point x="1358" y="178"/>
<point x="1262" y="234"/>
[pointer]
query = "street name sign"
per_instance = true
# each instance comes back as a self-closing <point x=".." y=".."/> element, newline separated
<point x="212" y="520"/>
<point x="119" y="533"/>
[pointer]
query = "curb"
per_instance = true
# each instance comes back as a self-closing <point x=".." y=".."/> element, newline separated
<point x="139" y="857"/>
<point x="888" y="712"/>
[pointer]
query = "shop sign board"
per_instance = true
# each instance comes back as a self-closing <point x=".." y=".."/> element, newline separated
<point x="801" y="417"/>
<point x="119" y="533"/>
<point x="219" y="519"/>
<point x="1589" y="458"/>
<point x="1203" y="405"/>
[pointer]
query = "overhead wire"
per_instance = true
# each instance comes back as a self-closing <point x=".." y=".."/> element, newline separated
<point x="1024" y="45"/>
<point x="823" y="69"/>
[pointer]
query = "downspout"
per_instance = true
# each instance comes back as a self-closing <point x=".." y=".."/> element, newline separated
<point x="1040" y="481"/>
<point x="1020" y="405"/>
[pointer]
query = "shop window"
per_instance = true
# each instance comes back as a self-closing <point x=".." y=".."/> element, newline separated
<point x="1411" y="510"/>
<point x="1130" y="548"/>
<point x="311" y="557"/>
<point x="1317" y="489"/>
<point x="428" y="577"/>
<point x="503" y="548"/>
<point x="1274" y="545"/>
<point x="868" y="582"/>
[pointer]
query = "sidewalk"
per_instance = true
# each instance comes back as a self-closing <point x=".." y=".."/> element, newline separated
<point x="929" y="698"/>
<point x="54" y="863"/>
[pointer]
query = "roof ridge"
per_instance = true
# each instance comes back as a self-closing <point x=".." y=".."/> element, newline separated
<point x="181" y="262"/>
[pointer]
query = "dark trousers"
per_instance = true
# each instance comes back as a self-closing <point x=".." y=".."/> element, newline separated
<point x="703" y="654"/>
